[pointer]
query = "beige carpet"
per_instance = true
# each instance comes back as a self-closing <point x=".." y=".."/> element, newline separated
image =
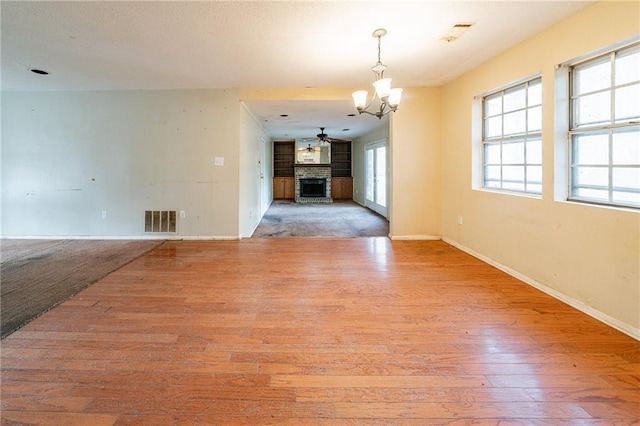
<point x="37" y="275"/>
<point x="338" y="219"/>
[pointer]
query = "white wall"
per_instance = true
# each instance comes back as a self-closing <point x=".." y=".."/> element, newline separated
<point x="67" y="156"/>
<point x="588" y="256"/>
<point x="251" y="135"/>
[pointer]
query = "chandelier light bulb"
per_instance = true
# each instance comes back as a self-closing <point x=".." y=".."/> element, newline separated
<point x="383" y="87"/>
<point x="360" y="99"/>
<point x="395" y="95"/>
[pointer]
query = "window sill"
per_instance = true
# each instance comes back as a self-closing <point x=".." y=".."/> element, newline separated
<point x="510" y="193"/>
<point x="599" y="205"/>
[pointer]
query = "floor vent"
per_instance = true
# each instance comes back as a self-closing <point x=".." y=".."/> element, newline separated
<point x="160" y="221"/>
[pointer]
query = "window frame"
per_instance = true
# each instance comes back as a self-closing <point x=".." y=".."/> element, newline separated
<point x="575" y="129"/>
<point x="526" y="137"/>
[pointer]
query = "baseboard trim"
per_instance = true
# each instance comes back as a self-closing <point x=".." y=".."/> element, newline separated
<point x="414" y="237"/>
<point x="208" y="238"/>
<point x="574" y="303"/>
<point x="121" y="237"/>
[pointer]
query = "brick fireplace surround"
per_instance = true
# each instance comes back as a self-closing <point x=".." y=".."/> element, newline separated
<point x="308" y="171"/>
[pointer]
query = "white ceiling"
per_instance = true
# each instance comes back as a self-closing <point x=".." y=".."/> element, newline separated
<point x="109" y="45"/>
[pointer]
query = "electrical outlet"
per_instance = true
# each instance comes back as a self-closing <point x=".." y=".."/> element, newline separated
<point x="103" y="215"/>
<point x="460" y="219"/>
<point x="182" y="214"/>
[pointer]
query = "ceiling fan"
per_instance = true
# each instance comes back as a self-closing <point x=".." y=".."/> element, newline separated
<point x="323" y="137"/>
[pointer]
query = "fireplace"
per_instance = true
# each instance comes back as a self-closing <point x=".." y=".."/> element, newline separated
<point x="313" y="187"/>
<point x="312" y="183"/>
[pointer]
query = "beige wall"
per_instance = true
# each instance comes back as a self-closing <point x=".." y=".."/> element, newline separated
<point x="587" y="255"/>
<point x="416" y="166"/>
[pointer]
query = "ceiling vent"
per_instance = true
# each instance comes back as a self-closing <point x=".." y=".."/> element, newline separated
<point x="456" y="32"/>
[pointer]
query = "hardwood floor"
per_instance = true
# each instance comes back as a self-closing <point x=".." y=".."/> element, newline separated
<point x="316" y="331"/>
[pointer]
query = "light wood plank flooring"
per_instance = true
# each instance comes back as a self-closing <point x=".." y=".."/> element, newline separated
<point x="316" y="331"/>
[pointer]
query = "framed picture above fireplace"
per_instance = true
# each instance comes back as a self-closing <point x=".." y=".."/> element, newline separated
<point x="312" y="152"/>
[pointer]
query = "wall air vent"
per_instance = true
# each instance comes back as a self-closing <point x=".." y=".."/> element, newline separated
<point x="160" y="220"/>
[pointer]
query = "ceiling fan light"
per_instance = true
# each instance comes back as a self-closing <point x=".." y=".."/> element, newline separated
<point x="360" y="98"/>
<point x="383" y="87"/>
<point x="395" y="95"/>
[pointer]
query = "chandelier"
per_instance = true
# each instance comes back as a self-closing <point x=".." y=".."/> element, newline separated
<point x="389" y="98"/>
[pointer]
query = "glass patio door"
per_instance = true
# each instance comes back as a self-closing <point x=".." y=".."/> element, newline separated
<point x="376" y="177"/>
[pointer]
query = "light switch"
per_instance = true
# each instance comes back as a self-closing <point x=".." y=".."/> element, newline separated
<point x="218" y="161"/>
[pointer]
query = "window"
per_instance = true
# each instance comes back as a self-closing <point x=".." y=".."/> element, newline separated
<point x="512" y="138"/>
<point x="604" y="129"/>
